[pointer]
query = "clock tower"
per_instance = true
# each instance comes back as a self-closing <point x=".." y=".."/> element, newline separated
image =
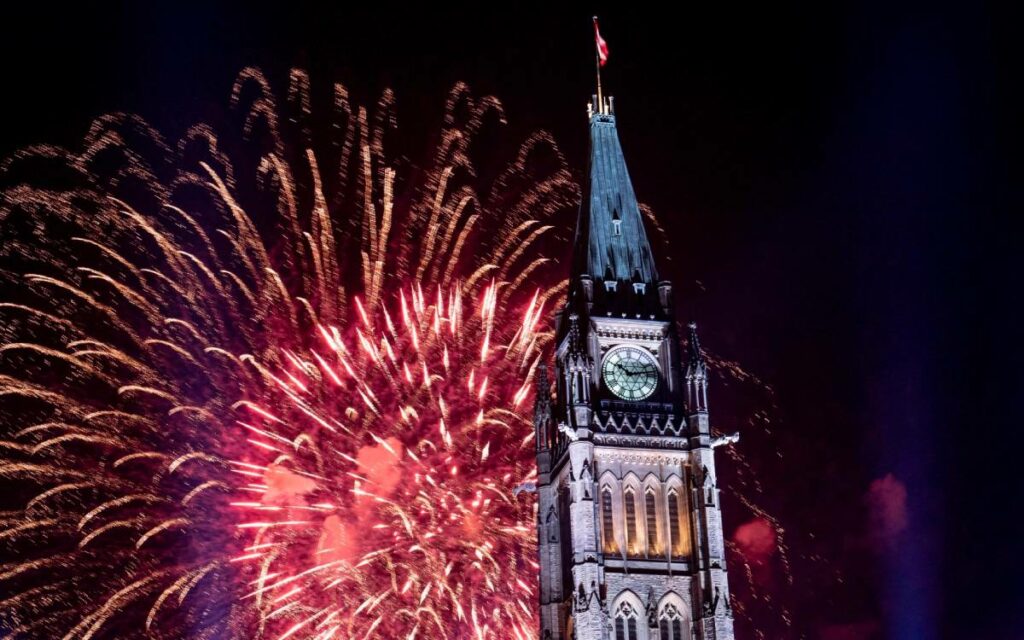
<point x="629" y="521"/>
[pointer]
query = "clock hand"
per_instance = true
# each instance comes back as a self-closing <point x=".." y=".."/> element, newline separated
<point x="632" y="373"/>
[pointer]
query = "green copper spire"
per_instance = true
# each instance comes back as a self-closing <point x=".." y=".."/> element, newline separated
<point x="610" y="223"/>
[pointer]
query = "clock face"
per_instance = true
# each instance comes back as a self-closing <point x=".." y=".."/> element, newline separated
<point x="631" y="373"/>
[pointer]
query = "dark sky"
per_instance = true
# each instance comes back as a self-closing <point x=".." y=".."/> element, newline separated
<point x="841" y="181"/>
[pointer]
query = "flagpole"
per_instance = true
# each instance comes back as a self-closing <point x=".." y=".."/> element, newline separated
<point x="597" y="67"/>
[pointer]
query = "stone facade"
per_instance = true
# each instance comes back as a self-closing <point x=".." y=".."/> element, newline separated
<point x="629" y="518"/>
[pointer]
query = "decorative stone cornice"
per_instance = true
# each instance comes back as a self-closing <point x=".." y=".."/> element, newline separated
<point x="612" y="330"/>
<point x="642" y="442"/>
<point x="639" y="424"/>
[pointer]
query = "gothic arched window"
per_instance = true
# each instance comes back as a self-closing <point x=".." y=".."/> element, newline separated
<point x="675" y="523"/>
<point x="626" y="622"/>
<point x="607" y="523"/>
<point x="670" y="623"/>
<point x="631" y="533"/>
<point x="651" y="513"/>
<point x="552" y="525"/>
<point x="565" y="539"/>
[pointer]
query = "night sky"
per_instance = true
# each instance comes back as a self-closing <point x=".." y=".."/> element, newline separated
<point x="840" y="185"/>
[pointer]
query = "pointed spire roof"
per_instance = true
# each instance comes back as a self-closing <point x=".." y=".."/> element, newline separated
<point x="697" y="366"/>
<point x="542" y="401"/>
<point x="611" y="242"/>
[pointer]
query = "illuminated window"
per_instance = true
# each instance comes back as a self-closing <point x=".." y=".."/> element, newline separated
<point x="617" y="227"/>
<point x="670" y="623"/>
<point x="625" y="622"/>
<point x="631" y="532"/>
<point x="606" y="519"/>
<point x="674" y="523"/>
<point x="651" y="512"/>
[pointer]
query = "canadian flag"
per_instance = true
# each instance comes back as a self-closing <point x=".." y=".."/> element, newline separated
<point x="602" y="46"/>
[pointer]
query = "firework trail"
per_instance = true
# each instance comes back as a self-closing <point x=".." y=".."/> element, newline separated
<point x="206" y="434"/>
<point x="273" y="381"/>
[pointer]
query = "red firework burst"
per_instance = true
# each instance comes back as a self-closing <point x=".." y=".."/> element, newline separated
<point x="381" y="475"/>
<point x="206" y="433"/>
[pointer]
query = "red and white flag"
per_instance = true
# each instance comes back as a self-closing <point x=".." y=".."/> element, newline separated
<point x="602" y="46"/>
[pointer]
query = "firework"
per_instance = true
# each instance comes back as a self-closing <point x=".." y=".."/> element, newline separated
<point x="270" y="381"/>
<point x="255" y="385"/>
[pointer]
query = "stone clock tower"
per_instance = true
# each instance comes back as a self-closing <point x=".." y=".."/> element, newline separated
<point x="629" y="520"/>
